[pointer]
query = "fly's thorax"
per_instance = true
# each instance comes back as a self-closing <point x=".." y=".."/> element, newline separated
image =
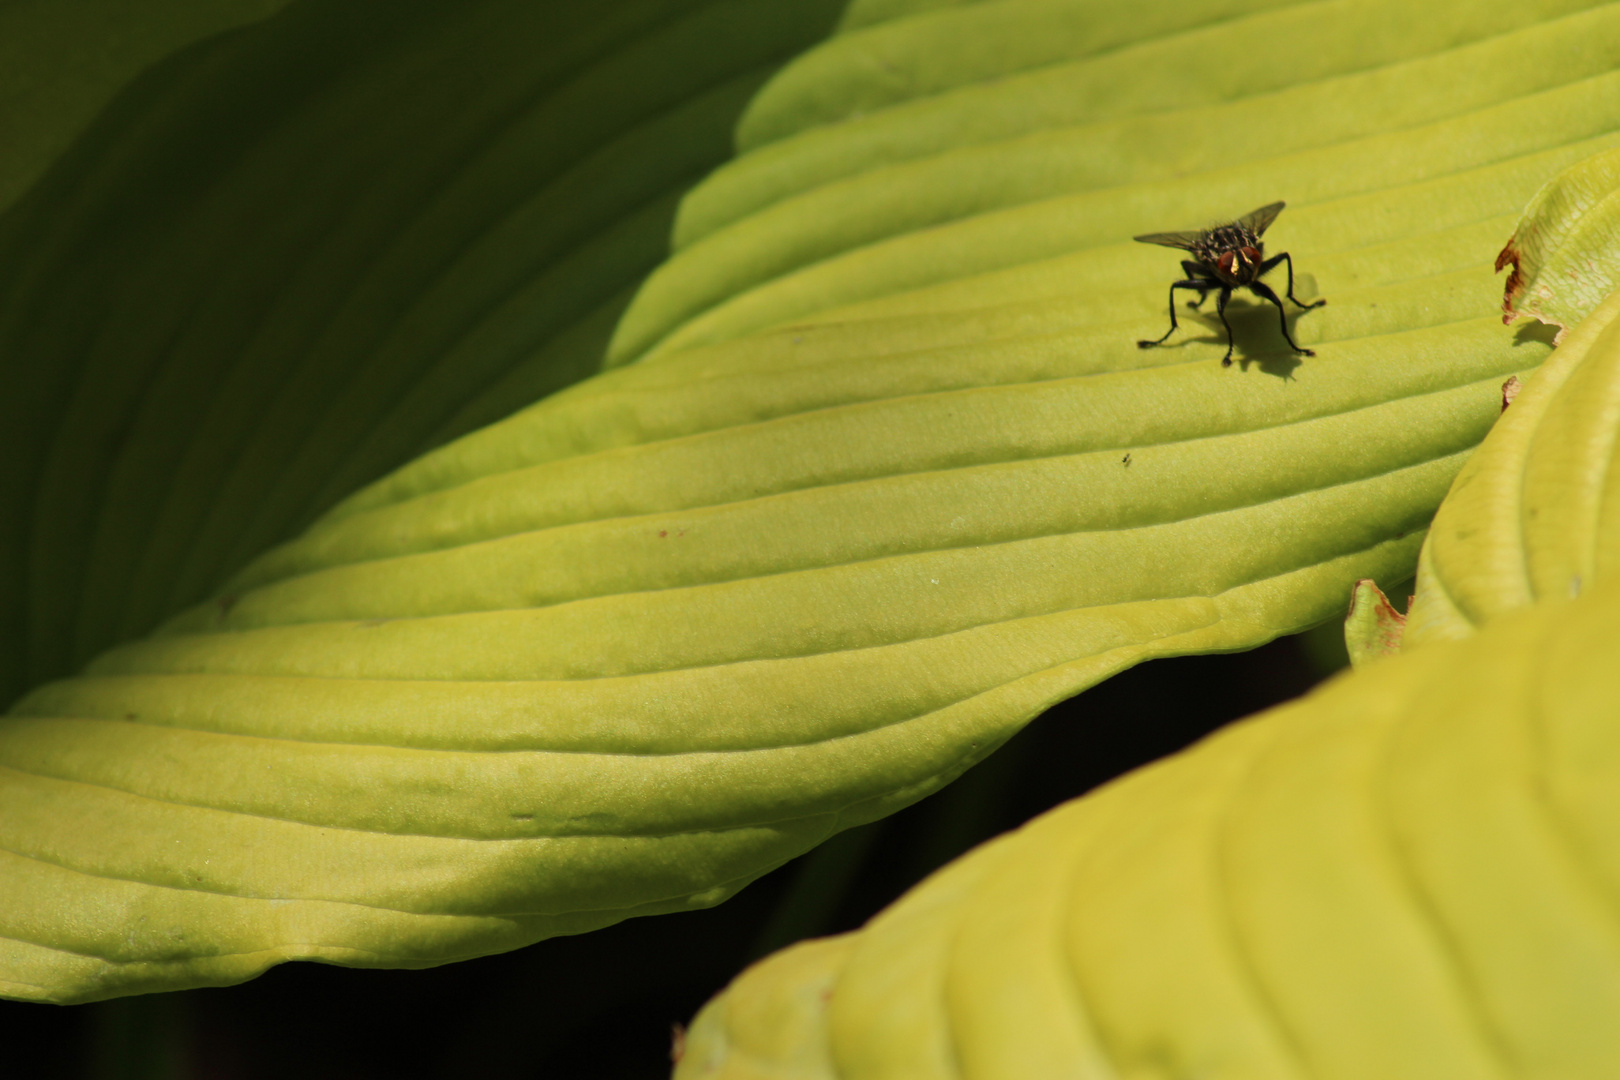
<point x="1229" y="237"/>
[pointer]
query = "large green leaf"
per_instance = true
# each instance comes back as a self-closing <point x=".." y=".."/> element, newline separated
<point x="1533" y="514"/>
<point x="1411" y="873"/>
<point x="891" y="477"/>
<point x="293" y="257"/>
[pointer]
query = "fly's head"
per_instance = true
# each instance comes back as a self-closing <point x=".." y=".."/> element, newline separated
<point x="1240" y="265"/>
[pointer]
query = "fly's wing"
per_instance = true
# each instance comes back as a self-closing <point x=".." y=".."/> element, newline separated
<point x="1183" y="240"/>
<point x="1258" y="221"/>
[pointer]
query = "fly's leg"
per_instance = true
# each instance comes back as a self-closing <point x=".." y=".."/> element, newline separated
<point x="1191" y="283"/>
<point x="1195" y="271"/>
<point x="1260" y="288"/>
<point x="1271" y="264"/>
<point x="1220" y="309"/>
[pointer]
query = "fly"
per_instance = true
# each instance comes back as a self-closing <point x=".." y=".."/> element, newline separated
<point x="1229" y="257"/>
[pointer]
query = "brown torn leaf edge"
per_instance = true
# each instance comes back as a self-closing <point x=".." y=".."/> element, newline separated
<point x="1513" y="288"/>
<point x="1515" y="281"/>
<point x="1510" y="390"/>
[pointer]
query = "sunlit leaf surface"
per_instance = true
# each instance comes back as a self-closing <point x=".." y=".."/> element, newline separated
<point x="1412" y="873"/>
<point x="1535" y="514"/>
<point x="883" y="476"/>
<point x="1563" y="250"/>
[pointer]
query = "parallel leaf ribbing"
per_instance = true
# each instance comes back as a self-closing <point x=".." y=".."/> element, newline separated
<point x="1433" y="116"/>
<point x="380" y="246"/>
<point x="889" y="477"/>
<point x="1410" y="873"/>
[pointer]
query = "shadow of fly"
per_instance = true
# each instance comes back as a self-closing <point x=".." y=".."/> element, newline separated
<point x="1224" y="258"/>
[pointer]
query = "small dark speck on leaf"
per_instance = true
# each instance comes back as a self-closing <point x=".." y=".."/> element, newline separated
<point x="1126" y="461"/>
<point x="130" y="716"/>
<point x="662" y="533"/>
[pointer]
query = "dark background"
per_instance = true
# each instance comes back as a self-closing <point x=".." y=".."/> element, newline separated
<point x="602" y="1005"/>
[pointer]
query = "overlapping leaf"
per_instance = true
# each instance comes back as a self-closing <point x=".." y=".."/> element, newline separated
<point x="1413" y="872"/>
<point x="890" y="477"/>
<point x="1534" y="514"/>
<point x="1562" y="253"/>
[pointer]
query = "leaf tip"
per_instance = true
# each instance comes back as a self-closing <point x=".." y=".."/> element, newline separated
<point x="1373" y="628"/>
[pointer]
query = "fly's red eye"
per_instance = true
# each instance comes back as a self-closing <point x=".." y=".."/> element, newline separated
<point x="1226" y="262"/>
<point x="1251" y="254"/>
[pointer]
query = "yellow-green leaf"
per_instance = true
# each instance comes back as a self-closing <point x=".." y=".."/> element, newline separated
<point x="1167" y="116"/>
<point x="890" y="477"/>
<point x="1373" y="628"/>
<point x="1563" y="250"/>
<point x="1532" y="515"/>
<point x="1411" y="873"/>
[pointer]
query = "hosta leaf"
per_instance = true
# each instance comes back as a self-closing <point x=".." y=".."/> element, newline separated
<point x="295" y="256"/>
<point x="1563" y="251"/>
<point x="890" y="477"/>
<point x="61" y="61"/>
<point x="1168" y="117"/>
<point x="1533" y="514"/>
<point x="1412" y="872"/>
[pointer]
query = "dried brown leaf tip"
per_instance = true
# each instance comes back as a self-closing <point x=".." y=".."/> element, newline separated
<point x="1373" y="628"/>
<point x="1510" y="390"/>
